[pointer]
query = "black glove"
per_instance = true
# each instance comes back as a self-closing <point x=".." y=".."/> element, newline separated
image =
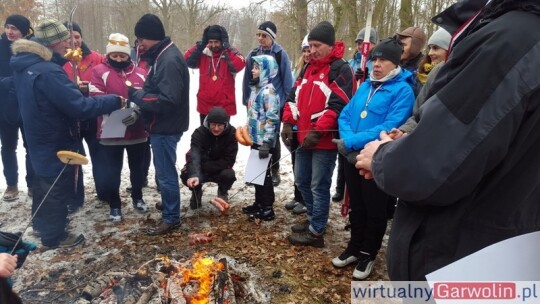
<point x="131" y="92"/>
<point x="359" y="74"/>
<point x="224" y="38"/>
<point x="340" y="146"/>
<point x="311" y="139"/>
<point x="351" y="157"/>
<point x="204" y="40"/>
<point x="287" y="134"/>
<point x="264" y="150"/>
<point x="200" y="46"/>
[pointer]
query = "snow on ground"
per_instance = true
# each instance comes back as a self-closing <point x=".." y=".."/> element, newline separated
<point x="93" y="220"/>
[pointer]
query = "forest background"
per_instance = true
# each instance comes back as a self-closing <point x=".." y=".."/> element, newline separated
<point x="185" y="20"/>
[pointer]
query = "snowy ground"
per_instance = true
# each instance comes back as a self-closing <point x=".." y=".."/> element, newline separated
<point x="53" y="272"/>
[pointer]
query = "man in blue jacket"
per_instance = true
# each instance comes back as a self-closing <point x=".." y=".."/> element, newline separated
<point x="51" y="105"/>
<point x="164" y="103"/>
<point x="283" y="82"/>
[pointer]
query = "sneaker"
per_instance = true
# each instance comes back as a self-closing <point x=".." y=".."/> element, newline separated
<point x="251" y="209"/>
<point x="266" y="214"/>
<point x="344" y="259"/>
<point x="291" y="204"/>
<point x="11" y="194"/>
<point x="300" y="227"/>
<point x="195" y="202"/>
<point x="338" y="196"/>
<point x="140" y="205"/>
<point x="115" y="215"/>
<point x="364" y="267"/>
<point x="71" y="240"/>
<point x="299" y="209"/>
<point x="306" y="238"/>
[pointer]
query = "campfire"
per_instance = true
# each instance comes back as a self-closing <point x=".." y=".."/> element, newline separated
<point x="198" y="280"/>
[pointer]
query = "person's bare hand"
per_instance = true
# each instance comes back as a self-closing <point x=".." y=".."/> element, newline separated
<point x="192" y="182"/>
<point x="365" y="157"/>
<point x="8" y="263"/>
<point x="396" y="133"/>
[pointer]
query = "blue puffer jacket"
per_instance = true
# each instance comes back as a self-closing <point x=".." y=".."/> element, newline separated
<point x="51" y="105"/>
<point x="390" y="105"/>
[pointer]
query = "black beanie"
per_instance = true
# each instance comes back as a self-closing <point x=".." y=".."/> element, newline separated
<point x="323" y="32"/>
<point x="217" y="115"/>
<point x="214" y="32"/>
<point x="150" y="27"/>
<point x="20" y="22"/>
<point x="269" y="28"/>
<point x="76" y="27"/>
<point x="390" y="49"/>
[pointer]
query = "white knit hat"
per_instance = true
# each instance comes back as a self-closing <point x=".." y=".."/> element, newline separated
<point x="440" y="38"/>
<point x="118" y="43"/>
<point x="305" y="43"/>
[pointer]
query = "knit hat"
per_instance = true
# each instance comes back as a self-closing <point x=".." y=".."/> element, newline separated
<point x="269" y="28"/>
<point x="305" y="43"/>
<point x="418" y="39"/>
<point x="323" y="32"/>
<point x="440" y="38"/>
<point x="217" y="115"/>
<point x="150" y="27"/>
<point x="390" y="49"/>
<point x="20" y="22"/>
<point x="76" y="27"/>
<point x="214" y="32"/>
<point x="118" y="43"/>
<point x="51" y="31"/>
<point x="372" y="36"/>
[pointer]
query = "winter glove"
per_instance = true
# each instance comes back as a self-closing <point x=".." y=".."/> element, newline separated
<point x="131" y="92"/>
<point x="311" y="139"/>
<point x="287" y="134"/>
<point x="224" y="38"/>
<point x="131" y="119"/>
<point x="359" y="74"/>
<point x="340" y="146"/>
<point x="351" y="157"/>
<point x="264" y="150"/>
<point x="204" y="40"/>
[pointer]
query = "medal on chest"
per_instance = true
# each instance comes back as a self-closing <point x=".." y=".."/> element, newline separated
<point x="128" y="83"/>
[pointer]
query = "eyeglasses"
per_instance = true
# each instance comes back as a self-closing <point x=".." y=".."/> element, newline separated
<point x="116" y="42"/>
<point x="263" y="35"/>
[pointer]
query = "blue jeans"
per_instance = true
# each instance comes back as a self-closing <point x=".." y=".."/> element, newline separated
<point x="164" y="150"/>
<point x="313" y="177"/>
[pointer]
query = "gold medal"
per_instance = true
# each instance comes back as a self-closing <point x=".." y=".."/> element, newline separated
<point x="128" y="83"/>
<point x="363" y="114"/>
<point x="214" y="78"/>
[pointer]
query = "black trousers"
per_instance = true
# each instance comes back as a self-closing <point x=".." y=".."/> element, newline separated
<point x="368" y="208"/>
<point x="225" y="179"/>
<point x="264" y="195"/>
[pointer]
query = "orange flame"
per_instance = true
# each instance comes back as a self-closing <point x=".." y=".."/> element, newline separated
<point x="203" y="272"/>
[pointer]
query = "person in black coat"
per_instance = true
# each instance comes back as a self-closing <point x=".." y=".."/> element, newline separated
<point x="211" y="157"/>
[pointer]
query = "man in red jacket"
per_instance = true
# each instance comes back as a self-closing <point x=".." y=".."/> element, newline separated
<point x="314" y="104"/>
<point x="218" y="63"/>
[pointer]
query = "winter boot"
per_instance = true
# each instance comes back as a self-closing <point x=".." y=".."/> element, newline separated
<point x="276" y="179"/>
<point x="306" y="238"/>
<point x="251" y="209"/>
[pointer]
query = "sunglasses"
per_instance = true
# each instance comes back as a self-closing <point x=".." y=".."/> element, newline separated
<point x="116" y="42"/>
<point x="261" y="35"/>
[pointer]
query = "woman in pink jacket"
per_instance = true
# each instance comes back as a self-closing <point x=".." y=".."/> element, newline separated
<point x="113" y="76"/>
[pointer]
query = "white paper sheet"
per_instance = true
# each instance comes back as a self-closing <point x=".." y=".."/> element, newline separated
<point x="113" y="126"/>
<point x="514" y="259"/>
<point x="256" y="168"/>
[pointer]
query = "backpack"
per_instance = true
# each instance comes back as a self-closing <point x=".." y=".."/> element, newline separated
<point x="277" y="56"/>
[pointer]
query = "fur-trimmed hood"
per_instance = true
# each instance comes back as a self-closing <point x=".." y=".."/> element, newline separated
<point x="28" y="46"/>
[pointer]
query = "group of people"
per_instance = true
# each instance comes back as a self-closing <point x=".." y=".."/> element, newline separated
<point x="443" y="141"/>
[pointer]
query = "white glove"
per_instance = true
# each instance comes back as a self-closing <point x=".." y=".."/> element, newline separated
<point x="131" y="119"/>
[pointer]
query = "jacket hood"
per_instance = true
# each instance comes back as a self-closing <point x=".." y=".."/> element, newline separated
<point x="27" y="52"/>
<point x="268" y="68"/>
